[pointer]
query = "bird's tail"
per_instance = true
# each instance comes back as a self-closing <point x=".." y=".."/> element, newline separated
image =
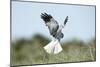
<point x="53" y="47"/>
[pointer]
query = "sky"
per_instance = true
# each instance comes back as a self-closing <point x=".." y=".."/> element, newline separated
<point x="26" y="20"/>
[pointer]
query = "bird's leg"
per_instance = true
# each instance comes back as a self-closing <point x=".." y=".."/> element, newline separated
<point x="55" y="43"/>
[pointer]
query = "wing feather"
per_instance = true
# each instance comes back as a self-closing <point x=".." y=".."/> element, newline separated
<point x="46" y="17"/>
<point x="51" y="23"/>
<point x="66" y="20"/>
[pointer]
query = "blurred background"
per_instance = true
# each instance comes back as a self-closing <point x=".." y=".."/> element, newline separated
<point x="29" y="34"/>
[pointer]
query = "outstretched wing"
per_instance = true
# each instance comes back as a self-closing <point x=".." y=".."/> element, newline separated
<point x="66" y="20"/>
<point x="46" y="17"/>
<point x="50" y="22"/>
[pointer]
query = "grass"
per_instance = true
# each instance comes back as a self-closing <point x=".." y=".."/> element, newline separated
<point x="27" y="52"/>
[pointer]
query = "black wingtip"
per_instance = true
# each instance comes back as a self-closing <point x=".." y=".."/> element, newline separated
<point x="46" y="17"/>
<point x="66" y="20"/>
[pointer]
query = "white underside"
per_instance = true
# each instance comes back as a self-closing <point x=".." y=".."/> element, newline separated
<point x="53" y="47"/>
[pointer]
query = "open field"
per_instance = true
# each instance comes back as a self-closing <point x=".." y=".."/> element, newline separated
<point x="30" y="51"/>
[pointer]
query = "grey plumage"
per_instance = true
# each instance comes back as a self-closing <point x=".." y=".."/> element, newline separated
<point x="54" y="28"/>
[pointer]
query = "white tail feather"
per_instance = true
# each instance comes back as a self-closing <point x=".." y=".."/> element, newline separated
<point x="53" y="47"/>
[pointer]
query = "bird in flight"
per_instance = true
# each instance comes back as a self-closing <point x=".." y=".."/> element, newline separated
<point x="55" y="30"/>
